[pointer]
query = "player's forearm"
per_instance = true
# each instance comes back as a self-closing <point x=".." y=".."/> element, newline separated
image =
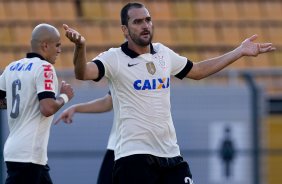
<point x="208" y="67"/>
<point x="79" y="61"/>
<point x="95" y="106"/>
<point x="49" y="106"/>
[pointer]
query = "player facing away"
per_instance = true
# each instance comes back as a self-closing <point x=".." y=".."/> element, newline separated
<point x="29" y="87"/>
<point x="139" y="74"/>
<point x="99" y="105"/>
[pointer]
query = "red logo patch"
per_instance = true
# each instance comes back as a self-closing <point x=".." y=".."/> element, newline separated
<point x="48" y="75"/>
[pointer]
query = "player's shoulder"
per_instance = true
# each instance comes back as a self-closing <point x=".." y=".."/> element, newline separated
<point x="38" y="66"/>
<point x="115" y="51"/>
<point x="16" y="65"/>
<point x="159" y="47"/>
<point x="38" y="60"/>
<point x="12" y="64"/>
<point x="108" y="54"/>
<point x="32" y="65"/>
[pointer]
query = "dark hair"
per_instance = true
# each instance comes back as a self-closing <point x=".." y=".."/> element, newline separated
<point x="124" y="12"/>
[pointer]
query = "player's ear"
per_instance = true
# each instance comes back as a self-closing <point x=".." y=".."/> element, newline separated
<point x="43" y="45"/>
<point x="124" y="30"/>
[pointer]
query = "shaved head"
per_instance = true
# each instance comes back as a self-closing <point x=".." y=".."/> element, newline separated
<point x="43" y="33"/>
<point x="45" y="41"/>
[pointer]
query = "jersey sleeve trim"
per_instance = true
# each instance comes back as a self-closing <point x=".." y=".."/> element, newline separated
<point x="101" y="70"/>
<point x="46" y="94"/>
<point x="185" y="70"/>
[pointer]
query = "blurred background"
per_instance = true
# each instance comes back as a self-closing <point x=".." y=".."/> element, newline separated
<point x="228" y="125"/>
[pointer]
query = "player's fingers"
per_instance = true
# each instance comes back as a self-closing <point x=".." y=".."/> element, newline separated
<point x="63" y="83"/>
<point x="252" y="38"/>
<point x="69" y="121"/>
<point x="65" y="26"/>
<point x="67" y="85"/>
<point x="266" y="49"/>
<point x="77" y="36"/>
<point x="71" y="35"/>
<point x="68" y="29"/>
<point x="57" y="121"/>
<point x="264" y="45"/>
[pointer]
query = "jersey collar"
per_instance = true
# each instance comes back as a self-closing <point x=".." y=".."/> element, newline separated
<point x="32" y="55"/>
<point x="133" y="54"/>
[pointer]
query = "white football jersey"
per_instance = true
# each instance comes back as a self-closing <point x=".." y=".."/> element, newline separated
<point x="23" y="80"/>
<point x="140" y="87"/>
<point x="112" y="138"/>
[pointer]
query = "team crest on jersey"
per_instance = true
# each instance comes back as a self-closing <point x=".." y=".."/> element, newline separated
<point x="161" y="61"/>
<point x="151" y="68"/>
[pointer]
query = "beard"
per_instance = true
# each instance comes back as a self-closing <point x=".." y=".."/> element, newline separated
<point x="139" y="41"/>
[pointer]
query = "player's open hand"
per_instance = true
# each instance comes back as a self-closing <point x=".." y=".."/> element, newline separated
<point x="74" y="36"/>
<point x="250" y="48"/>
<point x="66" y="116"/>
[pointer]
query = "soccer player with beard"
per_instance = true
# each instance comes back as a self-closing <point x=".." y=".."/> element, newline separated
<point x="139" y="72"/>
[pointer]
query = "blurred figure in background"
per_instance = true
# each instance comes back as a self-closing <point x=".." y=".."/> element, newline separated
<point x="139" y="74"/>
<point x="227" y="151"/>
<point x="28" y="89"/>
<point x="99" y="105"/>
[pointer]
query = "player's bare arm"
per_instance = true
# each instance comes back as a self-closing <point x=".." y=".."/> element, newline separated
<point x="67" y="115"/>
<point x="83" y="70"/>
<point x="99" y="105"/>
<point x="50" y="106"/>
<point x="248" y="47"/>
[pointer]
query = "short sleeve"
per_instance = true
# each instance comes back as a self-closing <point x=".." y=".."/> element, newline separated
<point x="46" y="78"/>
<point x="110" y="61"/>
<point x="177" y="62"/>
<point x="185" y="70"/>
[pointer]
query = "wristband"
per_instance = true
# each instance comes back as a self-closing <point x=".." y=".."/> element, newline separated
<point x="64" y="97"/>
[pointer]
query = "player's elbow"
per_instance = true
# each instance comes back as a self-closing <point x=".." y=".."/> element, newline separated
<point x="47" y="111"/>
<point x="49" y="106"/>
<point x="195" y="76"/>
<point x="196" y="73"/>
<point x="46" y="114"/>
<point x="198" y="77"/>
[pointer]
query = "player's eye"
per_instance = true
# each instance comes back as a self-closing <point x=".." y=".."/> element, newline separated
<point x="138" y="21"/>
<point x="148" y="19"/>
